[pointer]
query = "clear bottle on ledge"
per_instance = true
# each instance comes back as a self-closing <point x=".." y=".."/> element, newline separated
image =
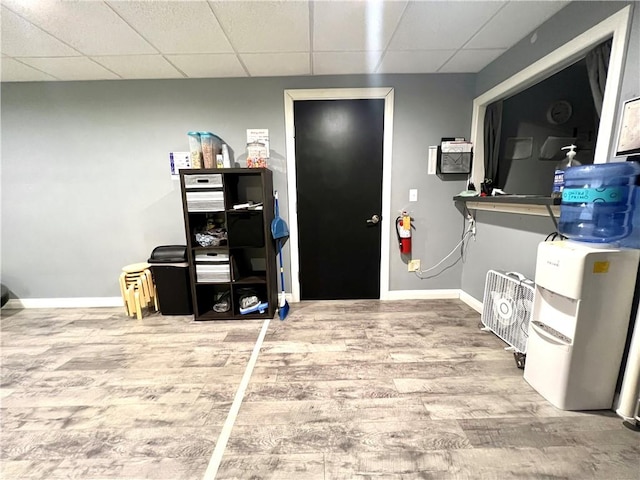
<point x="558" y="177"/>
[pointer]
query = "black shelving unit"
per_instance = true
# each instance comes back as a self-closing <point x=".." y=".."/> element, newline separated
<point x="241" y="257"/>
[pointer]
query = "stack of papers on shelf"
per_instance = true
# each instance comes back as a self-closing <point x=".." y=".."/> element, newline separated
<point x="456" y="156"/>
<point x="456" y="147"/>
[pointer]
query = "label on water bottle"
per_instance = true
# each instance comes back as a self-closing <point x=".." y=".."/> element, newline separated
<point x="558" y="181"/>
<point x="594" y="195"/>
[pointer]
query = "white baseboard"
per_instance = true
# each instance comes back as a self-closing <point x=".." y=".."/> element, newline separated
<point x="88" y="302"/>
<point x="81" y="302"/>
<point x="287" y="296"/>
<point x="471" y="301"/>
<point x="436" y="294"/>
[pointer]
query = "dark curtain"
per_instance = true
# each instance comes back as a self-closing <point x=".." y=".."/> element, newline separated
<point x="492" y="127"/>
<point x="597" y="66"/>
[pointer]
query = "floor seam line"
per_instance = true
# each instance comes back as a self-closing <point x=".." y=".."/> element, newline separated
<point x="225" y="433"/>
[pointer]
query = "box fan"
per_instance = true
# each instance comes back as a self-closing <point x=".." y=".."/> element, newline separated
<point x="507" y="308"/>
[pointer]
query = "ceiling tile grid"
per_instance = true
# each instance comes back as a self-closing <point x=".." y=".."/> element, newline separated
<point x="175" y="27"/>
<point x="354" y="26"/>
<point x="441" y="25"/>
<point x="15" y="71"/>
<point x="276" y="64"/>
<point x="265" y="26"/>
<point x="345" y="63"/>
<point x="416" y="61"/>
<point x="217" y="65"/>
<point x="112" y="39"/>
<point x="465" y="61"/>
<point x="70" y="68"/>
<point x="139" y="66"/>
<point x="514" y="22"/>
<point x="22" y="38"/>
<point x="90" y="27"/>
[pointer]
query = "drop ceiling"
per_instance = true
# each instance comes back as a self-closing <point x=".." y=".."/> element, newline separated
<point x="49" y="40"/>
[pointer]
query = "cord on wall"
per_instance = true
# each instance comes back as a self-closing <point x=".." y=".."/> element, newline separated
<point x="469" y="232"/>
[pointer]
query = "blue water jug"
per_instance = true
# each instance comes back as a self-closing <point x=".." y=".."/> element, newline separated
<point x="633" y="240"/>
<point x="597" y="202"/>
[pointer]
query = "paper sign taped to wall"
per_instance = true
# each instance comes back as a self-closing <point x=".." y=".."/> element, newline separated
<point x="179" y="161"/>
<point x="259" y="135"/>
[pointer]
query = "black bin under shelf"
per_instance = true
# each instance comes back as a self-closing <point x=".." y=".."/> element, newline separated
<point x="170" y="272"/>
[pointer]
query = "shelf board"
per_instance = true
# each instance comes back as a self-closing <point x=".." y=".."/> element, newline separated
<point x="243" y="210"/>
<point x="211" y="315"/>
<point x="522" y="204"/>
<point x="251" y="279"/>
<point x="241" y="281"/>
<point x="223" y="248"/>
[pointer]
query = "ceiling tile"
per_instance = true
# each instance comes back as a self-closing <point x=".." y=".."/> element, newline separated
<point x="417" y="61"/>
<point x="276" y="64"/>
<point x="176" y="27"/>
<point x="208" y="65"/>
<point x="14" y="71"/>
<point x="71" y="68"/>
<point x="91" y="27"/>
<point x="514" y="22"/>
<point x="471" y="61"/>
<point x="343" y="63"/>
<point x="441" y="25"/>
<point x="23" y="39"/>
<point x="354" y="26"/>
<point x="139" y="66"/>
<point x="265" y="26"/>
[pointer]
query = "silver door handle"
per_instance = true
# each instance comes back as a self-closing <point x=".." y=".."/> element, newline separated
<point x="374" y="219"/>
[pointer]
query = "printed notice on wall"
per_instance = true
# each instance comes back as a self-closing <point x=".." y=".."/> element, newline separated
<point x="179" y="161"/>
<point x="259" y="135"/>
<point x="629" y="141"/>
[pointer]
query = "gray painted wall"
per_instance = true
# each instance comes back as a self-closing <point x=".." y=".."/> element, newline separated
<point x="85" y="175"/>
<point x="510" y="242"/>
<point x="86" y="189"/>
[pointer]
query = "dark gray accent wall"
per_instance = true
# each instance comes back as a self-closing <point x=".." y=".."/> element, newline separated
<point x="525" y="115"/>
<point x="509" y="243"/>
<point x="85" y="172"/>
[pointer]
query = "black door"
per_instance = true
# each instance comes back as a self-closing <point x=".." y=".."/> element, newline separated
<point x="339" y="188"/>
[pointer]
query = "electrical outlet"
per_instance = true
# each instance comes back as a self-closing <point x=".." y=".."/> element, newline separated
<point x="414" y="265"/>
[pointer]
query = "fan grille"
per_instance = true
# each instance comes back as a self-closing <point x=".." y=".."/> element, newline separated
<point x="507" y="307"/>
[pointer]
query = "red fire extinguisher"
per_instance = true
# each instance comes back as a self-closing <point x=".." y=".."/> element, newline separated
<point x="403" y="229"/>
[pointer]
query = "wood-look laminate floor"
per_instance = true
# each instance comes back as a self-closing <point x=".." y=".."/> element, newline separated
<point x="340" y="390"/>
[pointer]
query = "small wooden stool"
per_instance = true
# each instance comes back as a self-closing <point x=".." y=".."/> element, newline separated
<point x="137" y="289"/>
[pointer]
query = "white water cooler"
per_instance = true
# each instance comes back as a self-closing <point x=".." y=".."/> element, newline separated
<point x="578" y="328"/>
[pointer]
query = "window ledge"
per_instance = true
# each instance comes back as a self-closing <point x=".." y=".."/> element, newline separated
<point x="518" y="204"/>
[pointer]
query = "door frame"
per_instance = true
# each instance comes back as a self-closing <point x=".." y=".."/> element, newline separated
<point x="290" y="96"/>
